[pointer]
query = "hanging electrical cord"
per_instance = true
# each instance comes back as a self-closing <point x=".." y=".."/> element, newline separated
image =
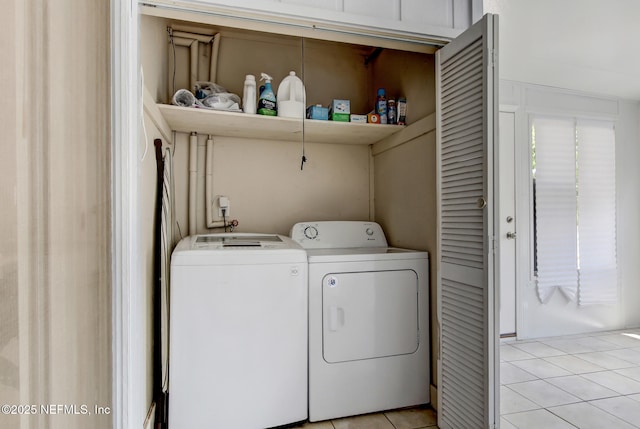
<point x="304" y="158"/>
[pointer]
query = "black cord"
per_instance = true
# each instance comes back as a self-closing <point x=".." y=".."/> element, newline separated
<point x="224" y="219"/>
<point x="304" y="158"/>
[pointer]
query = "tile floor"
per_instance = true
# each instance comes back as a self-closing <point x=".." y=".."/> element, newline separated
<point x="582" y="381"/>
<point x="410" y="418"/>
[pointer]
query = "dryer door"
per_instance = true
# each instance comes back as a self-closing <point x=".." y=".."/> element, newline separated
<point x="369" y="315"/>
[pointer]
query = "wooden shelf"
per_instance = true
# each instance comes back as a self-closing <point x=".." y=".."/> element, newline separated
<point x="234" y="124"/>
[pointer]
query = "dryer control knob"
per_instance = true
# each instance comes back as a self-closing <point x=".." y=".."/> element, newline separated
<point x="369" y="232"/>
<point x="310" y="232"/>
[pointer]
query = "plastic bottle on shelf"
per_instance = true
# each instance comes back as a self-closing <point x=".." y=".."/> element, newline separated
<point x="249" y="94"/>
<point x="402" y="111"/>
<point x="391" y="111"/>
<point x="381" y="105"/>
<point x="267" y="104"/>
<point x="291" y="97"/>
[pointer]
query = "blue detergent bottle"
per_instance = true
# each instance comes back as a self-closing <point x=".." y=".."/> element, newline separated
<point x="267" y="104"/>
<point x="381" y="105"/>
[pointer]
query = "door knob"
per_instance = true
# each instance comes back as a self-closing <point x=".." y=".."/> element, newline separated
<point x="511" y="235"/>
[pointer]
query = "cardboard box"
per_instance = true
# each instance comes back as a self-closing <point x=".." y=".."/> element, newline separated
<point x="340" y="117"/>
<point x="373" y="118"/>
<point x="359" y="118"/>
<point x="340" y="106"/>
<point x="318" y="112"/>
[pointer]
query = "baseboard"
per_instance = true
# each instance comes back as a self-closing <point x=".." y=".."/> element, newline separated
<point x="434" y="396"/>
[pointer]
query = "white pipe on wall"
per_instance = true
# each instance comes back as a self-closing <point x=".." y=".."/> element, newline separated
<point x="193" y="75"/>
<point x="195" y="36"/>
<point x="209" y="188"/>
<point x="193" y="180"/>
<point x="192" y="44"/>
<point x="209" y="181"/>
<point x="213" y="67"/>
<point x="191" y="40"/>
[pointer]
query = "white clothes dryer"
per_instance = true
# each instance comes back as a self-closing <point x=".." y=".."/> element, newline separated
<point x="238" y="332"/>
<point x="368" y="320"/>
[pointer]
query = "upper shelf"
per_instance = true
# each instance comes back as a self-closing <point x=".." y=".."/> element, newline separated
<point x="233" y="124"/>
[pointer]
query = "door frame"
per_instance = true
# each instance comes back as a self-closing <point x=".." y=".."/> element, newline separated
<point x="512" y="102"/>
<point x="519" y="225"/>
<point x="128" y="322"/>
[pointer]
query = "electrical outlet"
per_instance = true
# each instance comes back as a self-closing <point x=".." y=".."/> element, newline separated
<point x="224" y="203"/>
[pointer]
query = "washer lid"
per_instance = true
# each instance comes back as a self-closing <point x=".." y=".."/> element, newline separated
<point x="236" y="249"/>
<point x="227" y="241"/>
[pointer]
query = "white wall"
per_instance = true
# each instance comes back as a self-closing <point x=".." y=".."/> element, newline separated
<point x="436" y="17"/>
<point x="559" y="316"/>
<point x="586" y="45"/>
<point x="628" y="206"/>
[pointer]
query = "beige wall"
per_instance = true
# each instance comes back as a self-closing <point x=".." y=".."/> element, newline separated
<point x="9" y="345"/>
<point x="267" y="190"/>
<point x="56" y="331"/>
<point x="405" y="176"/>
<point x="405" y="206"/>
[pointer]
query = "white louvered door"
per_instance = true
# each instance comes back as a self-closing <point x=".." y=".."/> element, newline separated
<point x="467" y="79"/>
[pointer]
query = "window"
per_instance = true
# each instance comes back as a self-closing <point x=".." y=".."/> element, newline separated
<point x="574" y="209"/>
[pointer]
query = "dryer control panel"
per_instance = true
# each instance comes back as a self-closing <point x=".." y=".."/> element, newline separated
<point x="338" y="234"/>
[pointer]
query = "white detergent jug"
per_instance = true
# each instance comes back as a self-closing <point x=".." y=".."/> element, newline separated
<point x="291" y="97"/>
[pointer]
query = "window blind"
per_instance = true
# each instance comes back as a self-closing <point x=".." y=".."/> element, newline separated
<point x="597" y="213"/>
<point x="575" y="209"/>
<point x="555" y="205"/>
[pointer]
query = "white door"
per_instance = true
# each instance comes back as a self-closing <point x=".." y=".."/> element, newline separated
<point x="467" y="95"/>
<point x="507" y="222"/>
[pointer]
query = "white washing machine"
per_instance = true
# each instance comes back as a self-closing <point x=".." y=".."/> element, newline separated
<point x="238" y="332"/>
<point x="368" y="320"/>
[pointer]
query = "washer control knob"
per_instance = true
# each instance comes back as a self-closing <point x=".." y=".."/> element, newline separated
<point x="369" y="232"/>
<point x="311" y="232"/>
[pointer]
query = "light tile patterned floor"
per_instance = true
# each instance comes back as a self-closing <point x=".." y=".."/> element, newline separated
<point x="581" y="381"/>
<point x="411" y="418"/>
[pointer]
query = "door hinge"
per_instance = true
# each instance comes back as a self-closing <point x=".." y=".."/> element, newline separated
<point x="493" y="55"/>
